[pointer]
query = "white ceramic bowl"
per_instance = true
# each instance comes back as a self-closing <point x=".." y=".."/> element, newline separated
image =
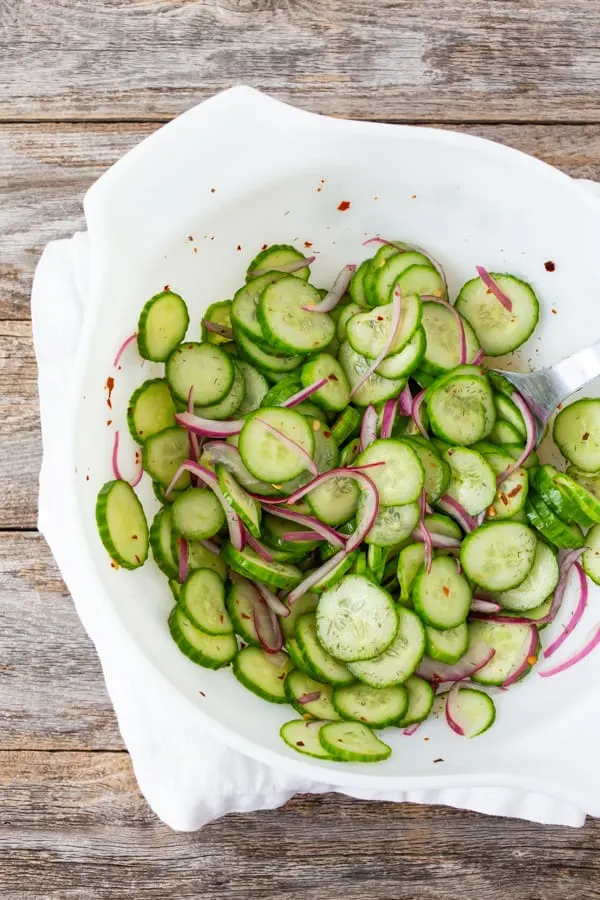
<point x="241" y="170"/>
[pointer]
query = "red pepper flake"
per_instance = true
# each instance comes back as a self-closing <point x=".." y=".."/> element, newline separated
<point x="491" y="512"/>
<point x="549" y="266"/>
<point x="554" y="312"/>
<point x="212" y="190"/>
<point x="584" y="437"/>
<point x="450" y="452"/>
<point x="190" y="238"/>
<point x="212" y="237"/>
<point x="110" y="384"/>
<point x="413" y="196"/>
<point x="425" y="739"/>
<point x="114" y="565"/>
<point x="380" y="318"/>
<point x="263" y="246"/>
<point x="333" y="377"/>
<point x="299" y="743"/>
<point x="137" y="559"/>
<point x="134" y="537"/>
<point x="560" y="406"/>
<point x="344" y="205"/>
<point x="282" y="676"/>
<point x="516" y="490"/>
<point x="195" y="249"/>
<point x="238" y="247"/>
<point x="87" y="477"/>
<point x="202" y="694"/>
<point x="167" y="287"/>
<point x="375" y="198"/>
<point x="307" y="244"/>
<point x="108" y="423"/>
<point x="504" y="498"/>
<point x="439" y="759"/>
<point x="532" y="660"/>
<point x="221" y="619"/>
<point x="244" y="616"/>
<point x="362" y="718"/>
<point x="446" y="591"/>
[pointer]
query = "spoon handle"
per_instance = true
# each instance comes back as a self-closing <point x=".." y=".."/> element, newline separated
<point x="575" y="371"/>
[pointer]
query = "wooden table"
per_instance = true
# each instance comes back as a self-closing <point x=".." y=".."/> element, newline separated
<point x="80" y="83"/>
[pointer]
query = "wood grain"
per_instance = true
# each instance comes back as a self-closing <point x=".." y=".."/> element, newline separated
<point x="448" y="60"/>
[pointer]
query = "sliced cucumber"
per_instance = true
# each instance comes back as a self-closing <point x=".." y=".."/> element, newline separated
<point x="303" y="737"/>
<point x="375" y="389"/>
<point x="335" y="501"/>
<point x="539" y="583"/>
<point x="323" y="666"/>
<point x="421" y="280"/>
<point x="205" y="368"/>
<point x="508" y="641"/>
<point x="255" y="388"/>
<point x="499" y="556"/>
<point x="150" y="410"/>
<point x="335" y="395"/>
<point x="350" y="453"/>
<point x="562" y="502"/>
<point x="400" y="660"/>
<point x="240" y="501"/>
<point x="305" y="604"/>
<point x="244" y="308"/>
<point x="217" y="314"/>
<point x="460" y="407"/>
<point x="510" y="414"/>
<point x="376" y="561"/>
<point x="357" y="285"/>
<point x="197" y="514"/>
<point x="263" y="452"/>
<point x="588" y="506"/>
<point x="274" y="531"/>
<point x="442" y="597"/>
<point x="376" y="707"/>
<point x="401" y="477"/>
<point x="160" y="542"/>
<point x="512" y="493"/>
<point x="407" y="360"/>
<point x="275" y="256"/>
<point x="385" y="277"/>
<point x="263" y="673"/>
<point x="284" y="321"/>
<point x="539" y="514"/>
<point x="163" y="453"/>
<point x="444" y="525"/>
<point x="443" y="339"/>
<point x="356" y="619"/>
<point x="436" y="469"/>
<point x="274" y="365"/>
<point x="498" y="329"/>
<point x="122" y="524"/>
<point x="410" y="560"/>
<point x="591" y="557"/>
<point x="385" y="252"/>
<point x="589" y="480"/>
<point x="393" y="524"/>
<point x="199" y="557"/>
<point x="297" y="656"/>
<point x="472" y="479"/>
<point x="420" y="701"/>
<point x="448" y="645"/>
<point x="352" y="742"/>
<point x="504" y="433"/>
<point x="368" y="332"/>
<point x="297" y="686"/>
<point x="335" y="575"/>
<point x="230" y="404"/>
<point x="346" y="425"/>
<point x="162" y="326"/>
<point x="241" y="601"/>
<point x="344" y="317"/>
<point x="208" y="650"/>
<point x="471" y="711"/>
<point x="202" y="599"/>
<point x="248" y="563"/>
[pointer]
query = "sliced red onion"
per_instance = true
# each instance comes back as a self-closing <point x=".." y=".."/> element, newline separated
<point x="286" y="268"/>
<point x="183" y="559"/>
<point x="315" y="577"/>
<point x="115" y="464"/>
<point x="229" y="456"/>
<point x="217" y="328"/>
<point x="234" y="523"/>
<point x="575" y="618"/>
<point x="474" y="659"/>
<point x="457" y="511"/>
<point x="478" y="358"/>
<point x="427" y="541"/>
<point x="267" y="627"/>
<point x="406" y="401"/>
<point x="488" y="607"/>
<point x="194" y="443"/>
<point x="211" y="546"/>
<point x="312" y="523"/>
<point x="390" y="410"/>
<point x="304" y="394"/>
<point x="431" y="298"/>
<point x="123" y="348"/>
<point x="394" y="326"/>
<point x="291" y="445"/>
<point x="258" y="548"/>
<point x="309" y="698"/>
<point x="528" y="652"/>
<point x="567" y="562"/>
<point x="494" y="288"/>
<point x="333" y="297"/>
<point x="439" y="541"/>
<point x="272" y="601"/>
<point x="355" y="472"/>
<point x="416" y="413"/>
<point x="301" y="536"/>
<point x="520" y="403"/>
<point x="368" y="427"/>
<point x="411" y="729"/>
<point x="590" y="644"/>
<point x="208" y="427"/>
<point x="497" y="619"/>
<point x="451" y="712"/>
<point x="368" y="512"/>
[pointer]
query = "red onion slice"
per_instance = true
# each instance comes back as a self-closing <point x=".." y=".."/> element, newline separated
<point x="183" y="559"/>
<point x="388" y="418"/>
<point x="394" y="326"/>
<point x="258" y="548"/>
<point x="355" y="472"/>
<point x="368" y="512"/>
<point x="211" y="546"/>
<point x="427" y="541"/>
<point x="115" y="464"/>
<point x="301" y="536"/>
<point x="416" y="413"/>
<point x="590" y="644"/>
<point x="267" y="627"/>
<point x="451" y="712"/>
<point x="406" y="401"/>
<point x="129" y="340"/>
<point x="462" y="337"/>
<point x="338" y="289"/>
<point x="309" y="582"/>
<point x="217" y="328"/>
<point x="208" y="427"/>
<point x="194" y="443"/>
<point x="494" y="288"/>
<point x="474" y="659"/>
<point x="527" y="654"/>
<point x="577" y="614"/>
<point x="519" y="402"/>
<point x="309" y="698"/>
<point x="454" y="509"/>
<point x="272" y="601"/>
<point x="291" y="445"/>
<point x="411" y="729"/>
<point x="286" y="268"/>
<point x="478" y="358"/>
<point x="304" y="394"/>
<point x="368" y="428"/>
<point x="234" y="523"/>
<point x="439" y="541"/>
<point x="312" y="523"/>
<point x="488" y="608"/>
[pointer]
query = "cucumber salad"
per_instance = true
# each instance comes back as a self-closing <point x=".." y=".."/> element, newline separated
<point x="352" y="513"/>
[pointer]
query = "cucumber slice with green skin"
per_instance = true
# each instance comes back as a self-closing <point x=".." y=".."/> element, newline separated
<point x="218" y="314"/>
<point x="162" y="326"/>
<point x="230" y="404"/>
<point x="589" y="480"/>
<point x="204" y="367"/>
<point x="407" y="360"/>
<point x="346" y="425"/>
<point x="400" y="480"/>
<point x="538" y="585"/>
<point x="420" y="701"/>
<point x="244" y="309"/>
<point x="539" y="514"/>
<point x="400" y="660"/>
<point x="263" y="452"/>
<point x="546" y="483"/>
<point x="163" y="453"/>
<point x="504" y="433"/>
<point x="352" y="742"/>
<point x="448" y="645"/>
<point x="460" y="407"/>
<point x="284" y="321"/>
<point x="344" y="317"/>
<point x="507" y="640"/>
<point x="423" y="379"/>
<point x="442" y="597"/>
<point x="591" y="557"/>
<point x="240" y="602"/>
<point x="240" y="501"/>
<point x="499" y="556"/>
<point x="201" y="558"/>
<point x="513" y="450"/>
<point x="263" y="674"/>
<point x="422" y="281"/>
<point x="122" y="524"/>
<point x="508" y="412"/>
<point x="410" y="560"/>
<point x="356" y="619"/>
<point x="444" y="525"/>
<point x="535" y="614"/>
<point x="159" y="492"/>
<point x="336" y="501"/>
<point x="472" y="479"/>
<point x="297" y="656"/>
<point x="350" y="452"/>
<point x="283" y="390"/>
<point x="471" y="712"/>
<point x="202" y="600"/>
<point x="357" y="284"/>
<point x="327" y="454"/>
<point x="385" y="252"/>
<point x="393" y="524"/>
<point x="335" y="395"/>
<point x="323" y="666"/>
<point x="273" y="365"/>
<point x="443" y="339"/>
<point x="436" y="469"/>
<point x="375" y="389"/>
<point x="208" y="650"/>
<point x="498" y="329"/>
<point x="384" y="278"/>
<point x="160" y="541"/>
<point x="326" y="551"/>
<point x="275" y="574"/>
<point x="297" y="685"/>
<point x="303" y="737"/>
<point x="376" y="561"/>
<point x="587" y="504"/>
<point x="150" y="410"/>
<point x="367" y="332"/>
<point x="196" y="514"/>
<point x="511" y="495"/>
<point x="255" y="389"/>
<point x="274" y="531"/>
<point x="336" y="575"/>
<point x="376" y="707"/>
<point x="274" y="257"/>
<point x="303" y="605"/>
<point x="175" y="587"/>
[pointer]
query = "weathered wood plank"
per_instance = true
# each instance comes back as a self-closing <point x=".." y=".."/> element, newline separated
<point x="45" y="170"/>
<point x="75" y="826"/>
<point x="51" y="689"/>
<point x="535" y="60"/>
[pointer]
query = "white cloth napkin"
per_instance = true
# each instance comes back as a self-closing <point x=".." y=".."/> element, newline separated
<point x="186" y="775"/>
